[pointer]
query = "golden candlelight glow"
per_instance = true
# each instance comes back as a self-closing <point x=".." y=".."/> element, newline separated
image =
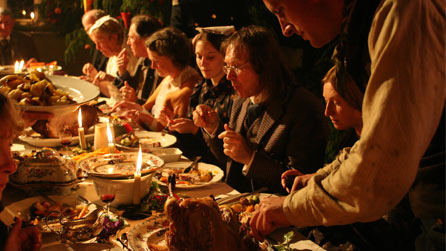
<point x="32" y="15"/>
<point x="24" y="12"/>
<point x="110" y="170"/>
<point x="139" y="162"/>
<point x="109" y="134"/>
<point x="18" y="66"/>
<point x="79" y="118"/>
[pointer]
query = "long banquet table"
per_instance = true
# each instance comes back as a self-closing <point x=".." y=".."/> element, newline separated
<point x="12" y="194"/>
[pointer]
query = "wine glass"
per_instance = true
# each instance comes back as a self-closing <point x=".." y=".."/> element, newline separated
<point x="107" y="195"/>
<point x="65" y="137"/>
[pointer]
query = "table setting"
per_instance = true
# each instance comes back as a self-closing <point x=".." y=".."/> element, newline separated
<point x="111" y="178"/>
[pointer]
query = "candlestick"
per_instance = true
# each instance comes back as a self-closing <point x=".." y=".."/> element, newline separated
<point x="137" y="179"/>
<point x="111" y="148"/>
<point x="81" y="131"/>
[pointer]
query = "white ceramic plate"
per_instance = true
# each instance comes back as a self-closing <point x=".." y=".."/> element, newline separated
<point x="168" y="154"/>
<point x="166" y="140"/>
<point x="151" y="230"/>
<point x="217" y="174"/>
<point x="50" y="142"/>
<point x="80" y="90"/>
<point x="22" y="207"/>
<point x="119" y="165"/>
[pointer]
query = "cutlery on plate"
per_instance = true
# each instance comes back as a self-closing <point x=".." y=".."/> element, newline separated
<point x="236" y="197"/>
<point x="124" y="241"/>
<point x="193" y="165"/>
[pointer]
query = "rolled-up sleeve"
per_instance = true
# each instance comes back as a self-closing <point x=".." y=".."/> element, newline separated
<point x="402" y="107"/>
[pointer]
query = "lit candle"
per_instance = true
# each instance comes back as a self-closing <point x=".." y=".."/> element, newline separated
<point x="111" y="146"/>
<point x="32" y="15"/>
<point x="82" y="141"/>
<point x="24" y="12"/>
<point x="18" y="66"/>
<point x="137" y="179"/>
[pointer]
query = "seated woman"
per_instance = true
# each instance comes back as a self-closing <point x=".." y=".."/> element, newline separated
<point x="109" y="36"/>
<point x="17" y="238"/>
<point x="214" y="91"/>
<point x="344" y="111"/>
<point x="273" y="126"/>
<point x="169" y="52"/>
<point x="145" y="80"/>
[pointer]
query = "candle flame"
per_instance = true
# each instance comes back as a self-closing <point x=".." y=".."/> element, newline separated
<point x="139" y="161"/>
<point x="109" y="133"/>
<point x="32" y="15"/>
<point x="110" y="170"/>
<point x="18" y="66"/>
<point x="24" y="12"/>
<point x="79" y="118"/>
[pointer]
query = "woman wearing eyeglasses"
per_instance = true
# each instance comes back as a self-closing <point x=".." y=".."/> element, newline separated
<point x="273" y="126"/>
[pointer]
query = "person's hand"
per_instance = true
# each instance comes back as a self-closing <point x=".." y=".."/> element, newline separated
<point x="122" y="61"/>
<point x="31" y="117"/>
<point x="89" y="71"/>
<point x="23" y="238"/>
<point x="128" y="93"/>
<point x="235" y="146"/>
<point x="101" y="77"/>
<point x="183" y="125"/>
<point x="206" y="118"/>
<point x="300" y="180"/>
<point x="126" y="105"/>
<point x="268" y="217"/>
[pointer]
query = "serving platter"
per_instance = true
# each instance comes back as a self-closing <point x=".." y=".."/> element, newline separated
<point x="80" y="90"/>
<point x="150" y="231"/>
<point x="164" y="139"/>
<point x="217" y="174"/>
<point x="50" y="142"/>
<point x="121" y="165"/>
<point x="22" y="208"/>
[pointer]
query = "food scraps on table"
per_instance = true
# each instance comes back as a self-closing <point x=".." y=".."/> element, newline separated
<point x="41" y="210"/>
<point x="191" y="178"/>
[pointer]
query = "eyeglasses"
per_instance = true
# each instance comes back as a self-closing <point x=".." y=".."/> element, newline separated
<point x="237" y="69"/>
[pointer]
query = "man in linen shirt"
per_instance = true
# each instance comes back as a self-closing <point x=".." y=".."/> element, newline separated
<point x="402" y="109"/>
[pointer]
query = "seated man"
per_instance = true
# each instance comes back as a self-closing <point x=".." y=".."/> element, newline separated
<point x="14" y="45"/>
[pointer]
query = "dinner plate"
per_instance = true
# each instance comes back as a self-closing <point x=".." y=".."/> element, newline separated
<point x="80" y="90"/>
<point x="165" y="140"/>
<point x="50" y="142"/>
<point x="150" y="231"/>
<point x="217" y="174"/>
<point x="22" y="208"/>
<point x="120" y="165"/>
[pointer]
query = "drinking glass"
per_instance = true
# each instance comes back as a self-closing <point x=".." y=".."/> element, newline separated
<point x="107" y="195"/>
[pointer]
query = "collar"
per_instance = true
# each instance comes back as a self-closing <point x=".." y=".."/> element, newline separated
<point x="184" y="74"/>
<point x="261" y="98"/>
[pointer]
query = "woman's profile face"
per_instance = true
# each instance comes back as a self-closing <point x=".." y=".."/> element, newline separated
<point x="341" y="114"/>
<point x="7" y="164"/>
<point x="106" y="43"/>
<point x="244" y="79"/>
<point x="162" y="64"/>
<point x="209" y="59"/>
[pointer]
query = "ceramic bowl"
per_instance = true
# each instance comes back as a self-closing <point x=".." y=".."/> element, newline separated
<point x="123" y="188"/>
<point x="47" y="172"/>
<point x="169" y="154"/>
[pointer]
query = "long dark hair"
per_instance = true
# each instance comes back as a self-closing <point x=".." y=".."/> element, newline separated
<point x="266" y="58"/>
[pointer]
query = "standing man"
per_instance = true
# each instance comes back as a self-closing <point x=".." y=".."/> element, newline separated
<point x="402" y="141"/>
<point x="14" y="45"/>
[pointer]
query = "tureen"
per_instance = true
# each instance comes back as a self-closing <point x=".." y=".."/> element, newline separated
<point x="46" y="172"/>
